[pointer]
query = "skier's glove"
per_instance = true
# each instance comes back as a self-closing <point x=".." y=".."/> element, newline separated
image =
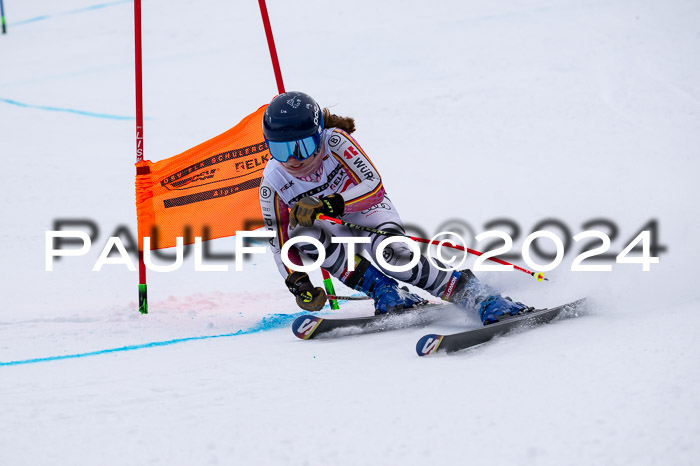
<point x="308" y="298"/>
<point x="304" y="212"/>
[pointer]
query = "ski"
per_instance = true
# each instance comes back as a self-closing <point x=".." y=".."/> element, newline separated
<point x="433" y="343"/>
<point x="310" y="326"/>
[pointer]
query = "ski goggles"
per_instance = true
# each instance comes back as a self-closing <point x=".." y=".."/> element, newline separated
<point x="300" y="149"/>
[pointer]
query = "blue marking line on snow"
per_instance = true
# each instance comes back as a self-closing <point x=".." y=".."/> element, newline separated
<point x="270" y="322"/>
<point x="69" y="110"/>
<point x="70" y="12"/>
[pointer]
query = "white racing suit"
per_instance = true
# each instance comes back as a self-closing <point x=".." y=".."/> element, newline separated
<point x="347" y="170"/>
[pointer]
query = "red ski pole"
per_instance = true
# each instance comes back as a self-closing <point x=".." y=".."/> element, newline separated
<point x="539" y="276"/>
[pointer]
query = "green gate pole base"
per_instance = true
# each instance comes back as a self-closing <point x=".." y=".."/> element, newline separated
<point x="143" y="299"/>
<point x="328" y="284"/>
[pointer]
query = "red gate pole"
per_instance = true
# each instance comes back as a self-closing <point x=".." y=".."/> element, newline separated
<point x="271" y="45"/>
<point x="143" y="296"/>
<point x="327" y="282"/>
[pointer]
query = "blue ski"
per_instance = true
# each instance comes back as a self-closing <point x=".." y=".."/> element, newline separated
<point x="309" y="326"/>
<point x="433" y="343"/>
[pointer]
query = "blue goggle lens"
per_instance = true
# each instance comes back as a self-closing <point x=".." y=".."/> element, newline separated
<point x="300" y="149"/>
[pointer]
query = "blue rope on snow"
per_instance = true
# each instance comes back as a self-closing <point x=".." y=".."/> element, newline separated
<point x="270" y="322"/>
<point x="68" y="110"/>
<point x="70" y="12"/>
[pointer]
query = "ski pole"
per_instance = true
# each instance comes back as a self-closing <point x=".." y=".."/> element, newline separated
<point x="539" y="276"/>
<point x="332" y="297"/>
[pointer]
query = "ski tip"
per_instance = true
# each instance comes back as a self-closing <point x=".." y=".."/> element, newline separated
<point x="428" y="344"/>
<point x="305" y="326"/>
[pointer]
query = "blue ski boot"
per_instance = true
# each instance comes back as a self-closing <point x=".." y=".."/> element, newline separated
<point x="495" y="307"/>
<point x="464" y="290"/>
<point x="385" y="291"/>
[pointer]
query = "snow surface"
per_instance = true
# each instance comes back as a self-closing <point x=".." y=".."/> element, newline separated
<point x="524" y="109"/>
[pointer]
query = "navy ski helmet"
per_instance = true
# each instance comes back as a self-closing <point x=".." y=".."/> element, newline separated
<point x="292" y="126"/>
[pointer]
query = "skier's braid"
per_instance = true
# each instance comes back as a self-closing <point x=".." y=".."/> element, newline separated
<point x="330" y="120"/>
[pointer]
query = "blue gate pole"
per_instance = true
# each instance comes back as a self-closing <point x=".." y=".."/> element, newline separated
<point x="2" y="18"/>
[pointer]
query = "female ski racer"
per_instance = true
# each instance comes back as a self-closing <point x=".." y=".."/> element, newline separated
<point x="319" y="168"/>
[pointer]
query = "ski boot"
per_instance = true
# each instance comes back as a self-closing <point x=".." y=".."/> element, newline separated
<point x="385" y="291"/>
<point x="495" y="307"/>
<point x="464" y="290"/>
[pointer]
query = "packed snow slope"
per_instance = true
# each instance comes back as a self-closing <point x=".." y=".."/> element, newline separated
<point x="524" y="110"/>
